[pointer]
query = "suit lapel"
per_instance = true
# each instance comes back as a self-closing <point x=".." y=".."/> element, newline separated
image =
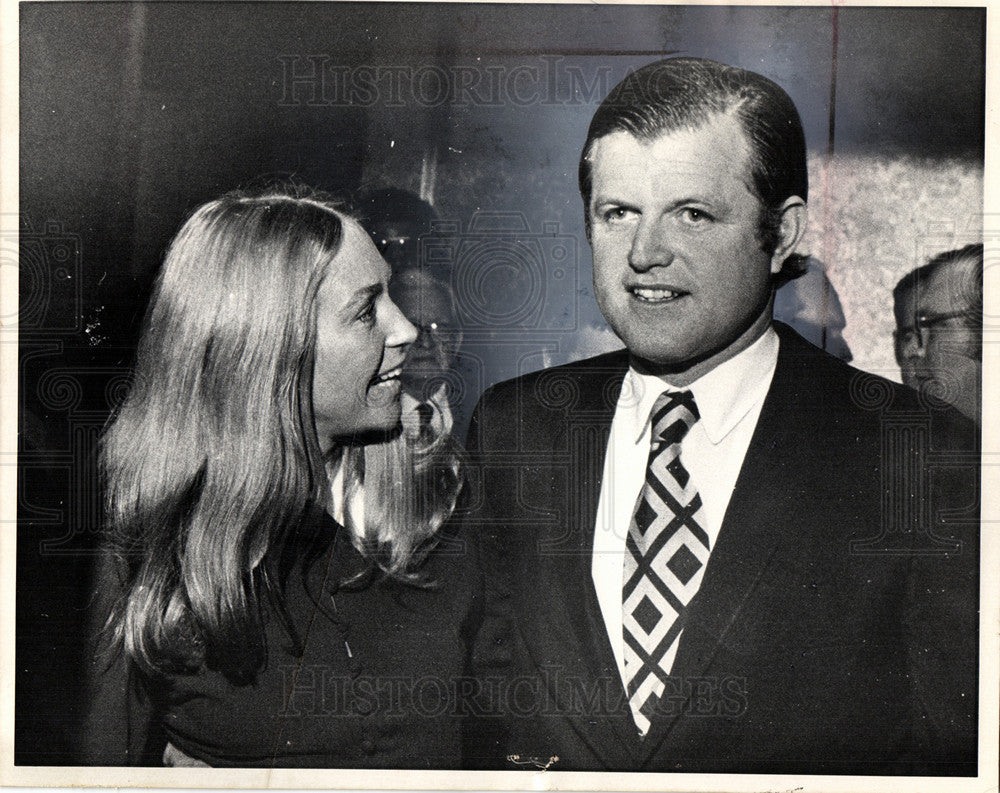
<point x="571" y="628"/>
<point x="749" y="541"/>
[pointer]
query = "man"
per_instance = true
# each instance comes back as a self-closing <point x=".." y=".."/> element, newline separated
<point x="428" y="377"/>
<point x="396" y="220"/>
<point x="706" y="545"/>
<point x="939" y="328"/>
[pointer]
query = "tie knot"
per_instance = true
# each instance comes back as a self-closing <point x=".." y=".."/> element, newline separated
<point x="673" y="414"/>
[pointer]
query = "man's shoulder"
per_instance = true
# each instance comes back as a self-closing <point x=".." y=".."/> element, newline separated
<point x="807" y="367"/>
<point x="538" y="405"/>
<point x="559" y="385"/>
<point x="849" y="399"/>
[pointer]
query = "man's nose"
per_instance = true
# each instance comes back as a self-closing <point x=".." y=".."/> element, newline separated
<point x="909" y="344"/>
<point x="424" y="335"/>
<point x="651" y="246"/>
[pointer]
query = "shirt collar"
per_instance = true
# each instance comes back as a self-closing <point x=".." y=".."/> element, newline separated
<point x="441" y="417"/>
<point x="724" y="395"/>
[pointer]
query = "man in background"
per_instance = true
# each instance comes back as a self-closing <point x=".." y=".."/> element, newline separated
<point x="428" y="375"/>
<point x="397" y="219"/>
<point x="939" y="328"/>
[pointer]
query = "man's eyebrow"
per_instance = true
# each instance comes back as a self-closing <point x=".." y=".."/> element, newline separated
<point x="610" y="200"/>
<point x="605" y="201"/>
<point x="687" y="200"/>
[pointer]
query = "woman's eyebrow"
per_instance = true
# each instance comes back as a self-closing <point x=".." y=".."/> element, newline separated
<point x="363" y="295"/>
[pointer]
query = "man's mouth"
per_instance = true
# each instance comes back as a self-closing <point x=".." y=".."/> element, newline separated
<point x="652" y="294"/>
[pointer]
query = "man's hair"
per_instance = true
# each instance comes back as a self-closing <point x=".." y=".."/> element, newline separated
<point x="684" y="93"/>
<point x="393" y="205"/>
<point x="970" y="288"/>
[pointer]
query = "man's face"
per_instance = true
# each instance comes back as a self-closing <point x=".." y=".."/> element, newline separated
<point x="909" y="351"/>
<point x="936" y="349"/>
<point x="399" y="242"/>
<point x="427" y="304"/>
<point x="679" y="272"/>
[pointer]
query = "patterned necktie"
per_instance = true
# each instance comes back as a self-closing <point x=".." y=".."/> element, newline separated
<point x="665" y="556"/>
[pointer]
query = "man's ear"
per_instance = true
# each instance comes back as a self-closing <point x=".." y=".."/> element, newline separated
<point x="794" y="215"/>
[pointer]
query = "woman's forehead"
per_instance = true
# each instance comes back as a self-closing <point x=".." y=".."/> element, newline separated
<point x="356" y="268"/>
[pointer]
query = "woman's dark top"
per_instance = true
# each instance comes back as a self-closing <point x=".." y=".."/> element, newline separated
<point x="376" y="684"/>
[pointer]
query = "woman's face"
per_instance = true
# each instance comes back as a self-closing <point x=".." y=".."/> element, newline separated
<point x="361" y="342"/>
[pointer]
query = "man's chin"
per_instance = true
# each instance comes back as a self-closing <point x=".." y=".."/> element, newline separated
<point x="647" y="359"/>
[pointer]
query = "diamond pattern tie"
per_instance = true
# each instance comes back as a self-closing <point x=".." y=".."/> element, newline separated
<point x="665" y="557"/>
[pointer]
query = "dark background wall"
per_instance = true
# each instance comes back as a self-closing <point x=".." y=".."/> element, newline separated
<point x="134" y="113"/>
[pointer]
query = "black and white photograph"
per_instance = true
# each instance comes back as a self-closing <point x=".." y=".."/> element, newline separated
<point x="426" y="395"/>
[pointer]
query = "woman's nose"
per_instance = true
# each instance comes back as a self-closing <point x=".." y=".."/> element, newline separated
<point x="402" y="331"/>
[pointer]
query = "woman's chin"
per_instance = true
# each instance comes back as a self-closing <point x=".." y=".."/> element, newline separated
<point x="385" y="394"/>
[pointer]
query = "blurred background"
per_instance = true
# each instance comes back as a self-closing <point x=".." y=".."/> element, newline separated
<point x="132" y="114"/>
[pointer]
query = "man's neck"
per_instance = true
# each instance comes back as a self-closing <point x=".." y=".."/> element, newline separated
<point x="682" y="375"/>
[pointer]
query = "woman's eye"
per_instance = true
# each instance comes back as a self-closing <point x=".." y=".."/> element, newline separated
<point x="367" y="314"/>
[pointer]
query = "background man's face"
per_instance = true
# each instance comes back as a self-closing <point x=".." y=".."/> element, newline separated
<point x="398" y="241"/>
<point x="944" y="355"/>
<point x="427" y="304"/>
<point x="678" y="268"/>
<point x="909" y="352"/>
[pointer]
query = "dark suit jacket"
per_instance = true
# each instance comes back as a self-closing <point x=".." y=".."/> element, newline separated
<point x="836" y="626"/>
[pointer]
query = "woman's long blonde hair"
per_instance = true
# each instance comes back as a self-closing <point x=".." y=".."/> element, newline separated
<point x="212" y="459"/>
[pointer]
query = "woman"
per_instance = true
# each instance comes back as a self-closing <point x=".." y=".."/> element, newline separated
<point x="274" y="593"/>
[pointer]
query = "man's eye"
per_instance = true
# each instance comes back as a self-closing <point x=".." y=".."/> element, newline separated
<point x="616" y="214"/>
<point x="694" y="215"/>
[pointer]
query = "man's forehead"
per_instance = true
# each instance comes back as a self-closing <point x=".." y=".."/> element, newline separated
<point x="719" y="144"/>
<point x="417" y="292"/>
<point x="947" y="288"/>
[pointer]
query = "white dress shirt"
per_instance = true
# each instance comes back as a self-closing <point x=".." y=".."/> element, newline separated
<point x="729" y="399"/>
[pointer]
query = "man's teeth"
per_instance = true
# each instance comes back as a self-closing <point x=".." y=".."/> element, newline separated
<point x="654" y="294"/>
